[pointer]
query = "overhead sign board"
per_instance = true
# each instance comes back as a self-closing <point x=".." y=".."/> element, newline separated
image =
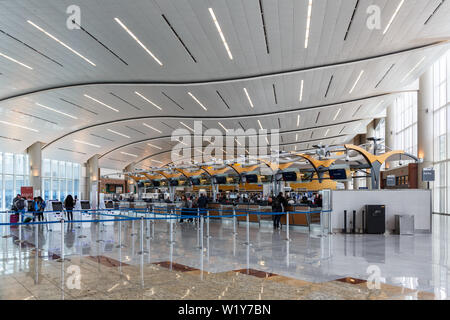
<point x="428" y="175"/>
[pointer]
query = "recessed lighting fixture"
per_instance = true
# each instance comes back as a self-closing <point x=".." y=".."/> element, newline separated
<point x="248" y="97"/>
<point x="379" y="104"/>
<point x="129" y="154"/>
<point x="183" y="143"/>
<point x="138" y="41"/>
<point x="14" y="60"/>
<point x="296" y="137"/>
<point x="295" y="148"/>
<point x="118" y="133"/>
<point x="87" y="143"/>
<point x="196" y="100"/>
<point x="18" y="125"/>
<point x="60" y="42"/>
<point x="260" y="125"/>
<point x="103" y="104"/>
<point x="337" y="114"/>
<point x="412" y="70"/>
<point x="356" y="82"/>
<point x="298" y="121"/>
<point x="267" y="140"/>
<point x="301" y="90"/>
<point x="187" y="126"/>
<point x="393" y="17"/>
<point x="224" y="151"/>
<point x="211" y="11"/>
<point x="149" y="126"/>
<point x="308" y="24"/>
<point x="152" y="103"/>
<point x="153" y="146"/>
<point x="57" y="111"/>
<point x="326" y="133"/>
<point x="199" y="150"/>
<point x="220" y="124"/>
<point x="156" y="161"/>
<point x="237" y="141"/>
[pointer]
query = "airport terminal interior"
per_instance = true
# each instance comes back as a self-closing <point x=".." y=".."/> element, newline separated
<point x="224" y="150"/>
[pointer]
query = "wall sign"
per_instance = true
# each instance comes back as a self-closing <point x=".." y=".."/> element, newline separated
<point x="428" y="175"/>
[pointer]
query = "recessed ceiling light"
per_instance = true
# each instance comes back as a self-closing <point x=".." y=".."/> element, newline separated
<point x="138" y="41"/>
<point x="196" y="100"/>
<point x="60" y="42"/>
<point x="296" y="137"/>
<point x="248" y="97"/>
<point x="220" y="124"/>
<point x="129" y="154"/>
<point x="16" y="61"/>
<point x="118" y="133"/>
<point x="149" y="126"/>
<point x="393" y="17"/>
<point x="267" y="140"/>
<point x="156" y="161"/>
<point x="298" y="121"/>
<point x="57" y="111"/>
<point x="237" y="141"/>
<point x="87" y="143"/>
<point x="308" y="24"/>
<point x="301" y="90"/>
<point x="259" y="122"/>
<point x="412" y="70"/>
<point x="152" y="103"/>
<point x="153" y="146"/>
<point x="220" y="33"/>
<point x="356" y="82"/>
<point x="187" y="126"/>
<point x="103" y="104"/>
<point x="337" y="114"/>
<point x="18" y="125"/>
<point x="328" y="131"/>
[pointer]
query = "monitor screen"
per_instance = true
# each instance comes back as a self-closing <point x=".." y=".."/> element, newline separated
<point x="195" y="182"/>
<point x="338" y="174"/>
<point x="289" y="176"/>
<point x="251" y="178"/>
<point x="109" y="205"/>
<point x="85" y="205"/>
<point x="221" y="180"/>
<point x="140" y="184"/>
<point x="156" y="183"/>
<point x="57" y="206"/>
<point x="174" y="183"/>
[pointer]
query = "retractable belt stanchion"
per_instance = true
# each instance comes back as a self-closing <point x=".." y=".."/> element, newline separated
<point x="287" y="227"/>
<point x="171" y="232"/>
<point x="248" y="230"/>
<point x="120" y="245"/>
<point x="142" y="252"/>
<point x="201" y="232"/>
<point x="198" y="229"/>
<point x="81" y="226"/>
<point x="234" y="221"/>
<point x="133" y="233"/>
<point x="207" y="226"/>
<point x="62" y="258"/>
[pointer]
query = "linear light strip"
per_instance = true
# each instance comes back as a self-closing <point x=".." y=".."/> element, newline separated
<point x="156" y="161"/>
<point x="149" y="126"/>
<point x="18" y="125"/>
<point x="129" y="154"/>
<point x="86" y="143"/>
<point x="16" y="61"/>
<point x="412" y="70"/>
<point x="248" y="97"/>
<point x="298" y="120"/>
<point x="138" y="41"/>
<point x="393" y="17"/>
<point x="118" y="133"/>
<point x="196" y="100"/>
<point x="337" y="114"/>
<point x="259" y="122"/>
<point x="301" y="91"/>
<point x="308" y="24"/>
<point x="357" y="80"/>
<point x="57" y="111"/>
<point x="103" y="104"/>
<point x="220" y="124"/>
<point x="149" y="101"/>
<point x="211" y="11"/>
<point x="187" y="126"/>
<point x="153" y="146"/>
<point x="60" y="42"/>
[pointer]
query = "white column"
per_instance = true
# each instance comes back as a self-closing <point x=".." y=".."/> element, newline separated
<point x="35" y="158"/>
<point x="130" y="182"/>
<point x="425" y="124"/>
<point x="92" y="172"/>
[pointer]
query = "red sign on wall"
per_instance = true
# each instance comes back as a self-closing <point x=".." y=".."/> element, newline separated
<point x="27" y="192"/>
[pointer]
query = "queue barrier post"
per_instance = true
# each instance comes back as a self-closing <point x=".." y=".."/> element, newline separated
<point x="120" y="245"/>
<point x="142" y="252"/>
<point x="247" y="243"/>
<point x="234" y="221"/>
<point x="201" y="232"/>
<point x="62" y="258"/>
<point x="287" y="227"/>
<point x="207" y="226"/>
<point x="81" y="226"/>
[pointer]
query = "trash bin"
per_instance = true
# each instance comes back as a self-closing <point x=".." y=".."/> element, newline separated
<point x="404" y="225"/>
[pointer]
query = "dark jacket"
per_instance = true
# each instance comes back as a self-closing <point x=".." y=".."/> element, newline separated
<point x="279" y="204"/>
<point x="202" y="202"/>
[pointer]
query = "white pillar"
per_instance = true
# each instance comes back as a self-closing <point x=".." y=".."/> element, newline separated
<point x="425" y="124"/>
<point x="93" y="179"/>
<point x="389" y="131"/>
<point x="130" y="182"/>
<point x="35" y="158"/>
<point x="370" y="134"/>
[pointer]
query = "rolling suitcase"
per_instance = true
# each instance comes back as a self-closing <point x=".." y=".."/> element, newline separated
<point x="14" y="218"/>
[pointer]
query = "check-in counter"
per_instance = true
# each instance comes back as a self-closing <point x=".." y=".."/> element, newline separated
<point x="214" y="209"/>
<point x="297" y="219"/>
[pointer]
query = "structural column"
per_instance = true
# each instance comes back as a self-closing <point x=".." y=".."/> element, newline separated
<point x="370" y="134"/>
<point x="389" y="141"/>
<point x="425" y="124"/>
<point x="93" y="174"/>
<point x="35" y="157"/>
<point x="130" y="182"/>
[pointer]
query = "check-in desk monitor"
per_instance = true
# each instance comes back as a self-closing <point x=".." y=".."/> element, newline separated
<point x="57" y="206"/>
<point x="85" y="205"/>
<point x="109" y="205"/>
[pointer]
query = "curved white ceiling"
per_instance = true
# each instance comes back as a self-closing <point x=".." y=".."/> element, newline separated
<point x="64" y="97"/>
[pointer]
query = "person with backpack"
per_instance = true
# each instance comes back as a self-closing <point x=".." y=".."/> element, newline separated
<point x="69" y="204"/>
<point x="40" y="208"/>
<point x="20" y="204"/>
<point x="278" y="205"/>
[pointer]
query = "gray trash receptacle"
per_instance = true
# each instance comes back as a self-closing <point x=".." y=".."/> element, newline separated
<point x="404" y="225"/>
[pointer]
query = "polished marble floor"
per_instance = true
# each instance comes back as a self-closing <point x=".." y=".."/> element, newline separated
<point x="148" y="261"/>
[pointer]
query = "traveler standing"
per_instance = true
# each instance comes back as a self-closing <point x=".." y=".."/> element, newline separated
<point x="202" y="203"/>
<point x="68" y="204"/>
<point x="278" y="206"/>
<point x="20" y="204"/>
<point x="184" y="207"/>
